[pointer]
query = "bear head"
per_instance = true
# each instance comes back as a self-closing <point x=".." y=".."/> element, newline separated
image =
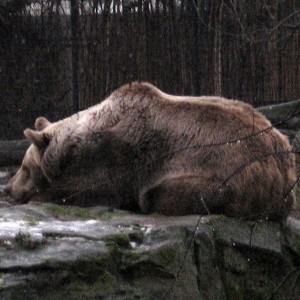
<point x="30" y="178"/>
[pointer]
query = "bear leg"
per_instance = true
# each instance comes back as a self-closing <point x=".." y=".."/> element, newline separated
<point x="179" y="195"/>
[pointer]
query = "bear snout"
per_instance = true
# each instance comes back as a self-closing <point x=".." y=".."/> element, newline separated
<point x="8" y="190"/>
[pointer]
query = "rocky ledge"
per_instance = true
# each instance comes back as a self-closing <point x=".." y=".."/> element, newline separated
<point x="59" y="252"/>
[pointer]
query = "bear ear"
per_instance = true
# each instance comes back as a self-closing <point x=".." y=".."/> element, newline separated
<point x="40" y="139"/>
<point x="41" y="123"/>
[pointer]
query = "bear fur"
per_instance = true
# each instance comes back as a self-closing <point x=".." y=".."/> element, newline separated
<point x="142" y="149"/>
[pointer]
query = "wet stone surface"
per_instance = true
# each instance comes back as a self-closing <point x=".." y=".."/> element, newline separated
<point x="49" y="251"/>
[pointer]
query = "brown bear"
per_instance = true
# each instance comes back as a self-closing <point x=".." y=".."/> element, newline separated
<point x="142" y="149"/>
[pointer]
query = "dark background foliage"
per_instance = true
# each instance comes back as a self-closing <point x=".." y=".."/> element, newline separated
<point x="54" y="53"/>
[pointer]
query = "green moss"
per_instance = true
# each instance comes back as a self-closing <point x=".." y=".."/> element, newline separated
<point x="108" y="214"/>
<point x="168" y="254"/>
<point x="216" y="219"/>
<point x="121" y="240"/>
<point x="221" y="218"/>
<point x="32" y="221"/>
<point x="80" y="212"/>
<point x="64" y="211"/>
<point x="121" y="256"/>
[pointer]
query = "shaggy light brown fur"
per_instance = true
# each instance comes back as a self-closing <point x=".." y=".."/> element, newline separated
<point x="143" y="149"/>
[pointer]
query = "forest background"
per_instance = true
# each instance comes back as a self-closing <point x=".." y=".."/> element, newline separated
<point x="58" y="57"/>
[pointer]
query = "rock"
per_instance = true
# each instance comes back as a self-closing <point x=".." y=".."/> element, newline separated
<point x="58" y="252"/>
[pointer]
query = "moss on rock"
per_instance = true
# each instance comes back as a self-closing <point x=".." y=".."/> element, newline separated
<point x="82" y="213"/>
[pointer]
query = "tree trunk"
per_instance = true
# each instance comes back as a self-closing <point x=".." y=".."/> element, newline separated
<point x="217" y="58"/>
<point x="75" y="53"/>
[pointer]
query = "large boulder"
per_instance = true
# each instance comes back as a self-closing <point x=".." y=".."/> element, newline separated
<point x="57" y="252"/>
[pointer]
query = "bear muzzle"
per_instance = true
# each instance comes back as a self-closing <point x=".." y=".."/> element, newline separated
<point x="20" y="196"/>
